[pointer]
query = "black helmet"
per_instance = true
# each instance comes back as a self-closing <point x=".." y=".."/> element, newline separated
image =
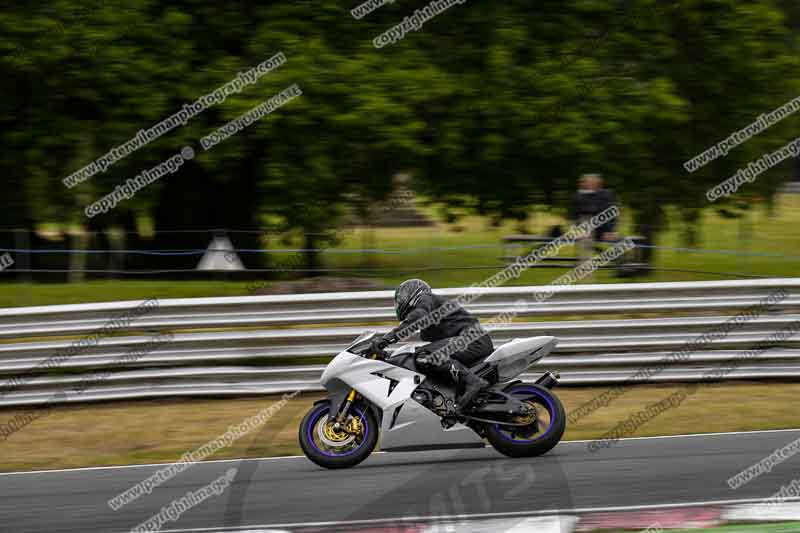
<point x="407" y="295"/>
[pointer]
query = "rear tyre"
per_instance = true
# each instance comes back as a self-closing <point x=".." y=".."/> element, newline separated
<point x="541" y="435"/>
<point x="330" y="448"/>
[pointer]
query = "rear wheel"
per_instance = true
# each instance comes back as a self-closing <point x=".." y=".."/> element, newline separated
<point x="544" y="431"/>
<point x="338" y="448"/>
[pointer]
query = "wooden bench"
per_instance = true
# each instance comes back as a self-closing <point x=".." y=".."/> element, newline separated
<point x="630" y="264"/>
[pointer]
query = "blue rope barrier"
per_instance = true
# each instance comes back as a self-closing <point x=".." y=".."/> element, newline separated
<point x="201" y="251"/>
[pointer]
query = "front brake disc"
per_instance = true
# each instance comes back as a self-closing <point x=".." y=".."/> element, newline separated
<point x="332" y="437"/>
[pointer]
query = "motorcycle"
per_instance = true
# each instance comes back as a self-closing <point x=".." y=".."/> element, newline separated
<point x="390" y="398"/>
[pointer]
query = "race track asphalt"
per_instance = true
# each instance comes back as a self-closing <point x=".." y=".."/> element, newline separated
<point x="285" y="493"/>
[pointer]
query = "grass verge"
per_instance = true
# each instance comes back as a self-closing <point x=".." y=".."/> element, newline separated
<point x="768" y="240"/>
<point x="161" y="431"/>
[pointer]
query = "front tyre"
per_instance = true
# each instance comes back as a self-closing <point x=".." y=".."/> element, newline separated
<point x="331" y="448"/>
<point x="537" y="438"/>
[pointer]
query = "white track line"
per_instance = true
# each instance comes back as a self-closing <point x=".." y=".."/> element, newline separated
<point x="756" y="432"/>
<point x="440" y="518"/>
<point x="691" y="435"/>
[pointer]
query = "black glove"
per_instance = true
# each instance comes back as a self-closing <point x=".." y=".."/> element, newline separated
<point x="432" y="361"/>
<point x="377" y="346"/>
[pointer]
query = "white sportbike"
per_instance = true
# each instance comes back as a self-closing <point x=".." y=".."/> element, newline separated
<point x="390" y="398"/>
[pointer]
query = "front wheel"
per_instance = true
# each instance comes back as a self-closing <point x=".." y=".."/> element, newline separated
<point x="332" y="448"/>
<point x="541" y="435"/>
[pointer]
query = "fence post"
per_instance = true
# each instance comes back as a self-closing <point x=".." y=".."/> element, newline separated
<point x="22" y="241"/>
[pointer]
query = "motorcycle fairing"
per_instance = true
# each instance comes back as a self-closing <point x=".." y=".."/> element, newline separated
<point x="405" y="423"/>
<point x="415" y="427"/>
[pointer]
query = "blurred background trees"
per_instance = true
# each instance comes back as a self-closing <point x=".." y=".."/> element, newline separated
<point x="493" y="107"/>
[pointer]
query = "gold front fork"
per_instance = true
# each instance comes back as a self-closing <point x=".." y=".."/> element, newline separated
<point x="340" y="418"/>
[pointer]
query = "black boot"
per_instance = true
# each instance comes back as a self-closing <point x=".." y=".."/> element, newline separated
<point x="469" y="382"/>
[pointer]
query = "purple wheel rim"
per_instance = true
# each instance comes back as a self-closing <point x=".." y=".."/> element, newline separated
<point x="550" y="409"/>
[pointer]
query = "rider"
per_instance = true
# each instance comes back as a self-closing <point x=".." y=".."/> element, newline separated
<point x="414" y="301"/>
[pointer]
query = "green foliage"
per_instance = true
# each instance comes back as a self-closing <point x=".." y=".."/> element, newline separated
<point x="496" y="107"/>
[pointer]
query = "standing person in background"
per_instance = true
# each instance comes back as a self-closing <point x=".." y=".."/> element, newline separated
<point x="592" y="199"/>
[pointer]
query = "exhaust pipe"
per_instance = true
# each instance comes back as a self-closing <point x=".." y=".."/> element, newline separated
<point x="548" y="380"/>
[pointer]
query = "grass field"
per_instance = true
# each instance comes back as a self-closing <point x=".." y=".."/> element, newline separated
<point x="159" y="431"/>
<point x="777" y="234"/>
<point x="162" y="431"/>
